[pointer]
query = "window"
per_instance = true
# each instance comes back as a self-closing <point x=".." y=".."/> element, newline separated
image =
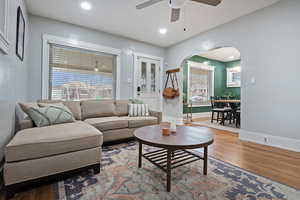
<point x="77" y="74"/>
<point x="234" y="77"/>
<point x="200" y="83"/>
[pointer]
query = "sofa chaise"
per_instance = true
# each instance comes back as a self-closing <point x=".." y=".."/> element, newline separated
<point x="38" y="153"/>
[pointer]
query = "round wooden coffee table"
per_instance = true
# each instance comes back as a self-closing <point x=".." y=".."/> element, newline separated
<point x="173" y="149"/>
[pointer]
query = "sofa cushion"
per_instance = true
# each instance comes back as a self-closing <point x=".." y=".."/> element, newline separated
<point x="108" y="123"/>
<point x="97" y="108"/>
<point x="118" y="134"/>
<point x="16" y="172"/>
<point x="122" y="107"/>
<point x="136" y="122"/>
<point x="52" y="140"/>
<point x="74" y="106"/>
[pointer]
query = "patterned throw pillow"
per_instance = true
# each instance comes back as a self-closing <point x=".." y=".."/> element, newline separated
<point x="138" y="110"/>
<point x="50" y="115"/>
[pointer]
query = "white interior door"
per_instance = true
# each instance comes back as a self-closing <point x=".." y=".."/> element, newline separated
<point x="148" y="82"/>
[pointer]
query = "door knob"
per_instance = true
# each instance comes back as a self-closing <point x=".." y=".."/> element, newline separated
<point x="138" y="90"/>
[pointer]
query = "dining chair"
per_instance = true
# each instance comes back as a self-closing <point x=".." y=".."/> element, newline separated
<point x="220" y="109"/>
<point x="238" y="119"/>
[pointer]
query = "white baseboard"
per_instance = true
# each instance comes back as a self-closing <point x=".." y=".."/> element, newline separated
<point x="270" y="140"/>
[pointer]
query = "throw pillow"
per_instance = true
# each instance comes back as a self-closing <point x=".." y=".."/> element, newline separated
<point x="136" y="110"/>
<point x="136" y="101"/>
<point x="42" y="105"/>
<point x="54" y="114"/>
<point x="25" y="106"/>
<point x="74" y="106"/>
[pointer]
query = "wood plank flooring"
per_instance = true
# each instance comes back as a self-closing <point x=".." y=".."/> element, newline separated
<point x="277" y="164"/>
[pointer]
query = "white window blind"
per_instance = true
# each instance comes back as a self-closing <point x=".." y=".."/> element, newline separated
<point x="77" y="74"/>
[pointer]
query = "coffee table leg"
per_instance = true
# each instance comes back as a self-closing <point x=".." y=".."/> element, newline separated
<point x="140" y="154"/>
<point x="205" y="161"/>
<point x="169" y="170"/>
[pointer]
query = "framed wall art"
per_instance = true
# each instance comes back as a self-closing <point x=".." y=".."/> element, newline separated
<point x="234" y="77"/>
<point x="20" y="34"/>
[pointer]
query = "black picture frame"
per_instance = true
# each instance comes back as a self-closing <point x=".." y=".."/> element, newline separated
<point x="20" y="34"/>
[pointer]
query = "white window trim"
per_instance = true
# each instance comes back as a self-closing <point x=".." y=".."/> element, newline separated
<point x="199" y="66"/>
<point x="50" y="39"/>
<point x="4" y="43"/>
<point x="137" y="55"/>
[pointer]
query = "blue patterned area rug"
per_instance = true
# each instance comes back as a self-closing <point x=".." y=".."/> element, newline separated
<point x="121" y="179"/>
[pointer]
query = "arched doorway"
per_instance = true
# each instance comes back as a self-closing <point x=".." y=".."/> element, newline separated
<point x="212" y="80"/>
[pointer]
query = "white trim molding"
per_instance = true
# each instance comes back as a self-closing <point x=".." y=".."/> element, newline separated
<point x="270" y="140"/>
<point x="137" y="55"/>
<point x="50" y="39"/>
<point x="204" y="67"/>
<point x="4" y="42"/>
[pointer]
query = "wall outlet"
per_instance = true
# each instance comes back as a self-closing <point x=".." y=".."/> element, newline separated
<point x="265" y="139"/>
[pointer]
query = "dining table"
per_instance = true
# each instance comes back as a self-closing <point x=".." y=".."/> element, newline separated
<point x="231" y="102"/>
<point x="227" y="101"/>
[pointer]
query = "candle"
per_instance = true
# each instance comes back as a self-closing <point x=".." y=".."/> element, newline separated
<point x="166" y="131"/>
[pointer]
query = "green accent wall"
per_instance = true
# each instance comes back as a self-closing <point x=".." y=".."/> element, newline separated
<point x="219" y="80"/>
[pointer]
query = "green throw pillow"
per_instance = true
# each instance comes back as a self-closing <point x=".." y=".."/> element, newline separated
<point x="50" y="115"/>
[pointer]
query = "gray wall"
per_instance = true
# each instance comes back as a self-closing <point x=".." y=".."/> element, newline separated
<point x="13" y="78"/>
<point x="269" y="41"/>
<point x="39" y="25"/>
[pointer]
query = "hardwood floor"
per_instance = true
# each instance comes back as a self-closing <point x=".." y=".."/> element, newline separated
<point x="277" y="164"/>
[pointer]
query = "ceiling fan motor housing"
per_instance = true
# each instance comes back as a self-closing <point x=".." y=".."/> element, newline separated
<point x="176" y="3"/>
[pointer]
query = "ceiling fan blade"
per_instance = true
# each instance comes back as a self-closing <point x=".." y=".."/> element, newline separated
<point x="147" y="4"/>
<point x="209" y="2"/>
<point x="175" y="14"/>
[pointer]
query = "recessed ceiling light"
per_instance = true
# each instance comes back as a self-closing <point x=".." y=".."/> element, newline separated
<point x="163" y="31"/>
<point x="231" y="57"/>
<point x="86" y="5"/>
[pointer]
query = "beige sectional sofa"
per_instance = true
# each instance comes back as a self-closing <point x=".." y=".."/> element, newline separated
<point x="38" y="152"/>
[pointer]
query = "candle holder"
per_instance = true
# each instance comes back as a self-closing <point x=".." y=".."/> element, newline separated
<point x="173" y="126"/>
<point x="165" y="131"/>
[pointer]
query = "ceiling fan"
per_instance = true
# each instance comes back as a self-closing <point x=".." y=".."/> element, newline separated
<point x="176" y="5"/>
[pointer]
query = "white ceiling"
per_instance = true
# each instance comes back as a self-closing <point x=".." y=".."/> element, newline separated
<point x="224" y="54"/>
<point x="121" y="18"/>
